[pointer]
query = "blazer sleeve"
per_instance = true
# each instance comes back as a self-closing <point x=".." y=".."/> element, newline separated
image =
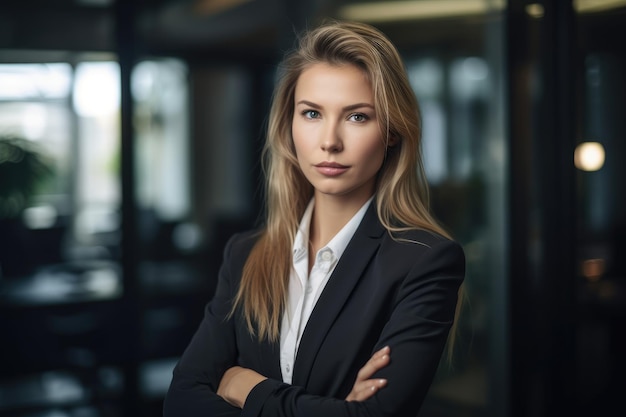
<point x="210" y="353"/>
<point x="416" y="331"/>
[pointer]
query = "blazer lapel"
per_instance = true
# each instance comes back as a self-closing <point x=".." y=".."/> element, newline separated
<point x="350" y="268"/>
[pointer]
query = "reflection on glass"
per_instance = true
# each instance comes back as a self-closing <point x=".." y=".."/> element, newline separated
<point x="160" y="95"/>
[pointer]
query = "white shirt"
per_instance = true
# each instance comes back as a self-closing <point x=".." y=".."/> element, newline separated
<point x="305" y="289"/>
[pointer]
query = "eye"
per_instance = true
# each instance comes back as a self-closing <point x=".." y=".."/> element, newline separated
<point x="358" y="117"/>
<point x="311" y="114"/>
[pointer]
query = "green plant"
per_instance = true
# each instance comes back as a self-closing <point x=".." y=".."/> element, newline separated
<point x="23" y="169"/>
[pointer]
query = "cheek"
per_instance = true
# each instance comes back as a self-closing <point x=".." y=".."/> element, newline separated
<point x="301" y="138"/>
<point x="375" y="153"/>
<point x="377" y="161"/>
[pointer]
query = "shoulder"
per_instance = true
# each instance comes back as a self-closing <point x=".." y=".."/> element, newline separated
<point x="419" y="240"/>
<point x="403" y="250"/>
<point x="422" y="246"/>
<point x="243" y="240"/>
<point x="240" y="244"/>
<point x="425" y="238"/>
<point x="235" y="252"/>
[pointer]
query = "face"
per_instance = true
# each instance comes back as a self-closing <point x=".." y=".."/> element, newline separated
<point x="336" y="132"/>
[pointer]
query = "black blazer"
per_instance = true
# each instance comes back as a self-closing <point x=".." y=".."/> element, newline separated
<point x="400" y="293"/>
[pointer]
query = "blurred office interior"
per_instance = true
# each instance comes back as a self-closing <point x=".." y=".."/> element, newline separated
<point x="130" y="136"/>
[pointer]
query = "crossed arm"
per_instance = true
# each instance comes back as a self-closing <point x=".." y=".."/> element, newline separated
<point x="206" y="382"/>
<point x="237" y="382"/>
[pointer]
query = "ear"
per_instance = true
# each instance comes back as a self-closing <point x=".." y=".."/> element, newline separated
<point x="393" y="141"/>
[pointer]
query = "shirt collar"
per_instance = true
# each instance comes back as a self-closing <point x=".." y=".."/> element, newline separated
<point x="338" y="243"/>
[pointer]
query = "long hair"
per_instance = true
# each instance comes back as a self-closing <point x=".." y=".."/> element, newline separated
<point x="401" y="187"/>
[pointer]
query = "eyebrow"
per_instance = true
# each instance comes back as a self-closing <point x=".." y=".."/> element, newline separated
<point x="347" y="108"/>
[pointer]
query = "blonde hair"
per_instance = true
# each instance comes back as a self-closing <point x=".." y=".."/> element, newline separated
<point x="401" y="189"/>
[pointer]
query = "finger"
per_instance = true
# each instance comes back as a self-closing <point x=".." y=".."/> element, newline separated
<point x="371" y="385"/>
<point x="372" y="366"/>
<point x="380" y="352"/>
<point x="366" y="389"/>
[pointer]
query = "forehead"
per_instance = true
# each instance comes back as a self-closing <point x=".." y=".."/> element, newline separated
<point x="326" y="82"/>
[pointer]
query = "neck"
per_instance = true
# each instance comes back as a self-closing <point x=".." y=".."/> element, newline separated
<point x="330" y="215"/>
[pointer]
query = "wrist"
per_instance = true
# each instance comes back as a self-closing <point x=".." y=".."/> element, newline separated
<point x="237" y="383"/>
<point x="248" y="381"/>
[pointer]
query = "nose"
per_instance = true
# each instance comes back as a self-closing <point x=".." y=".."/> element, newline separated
<point x="331" y="141"/>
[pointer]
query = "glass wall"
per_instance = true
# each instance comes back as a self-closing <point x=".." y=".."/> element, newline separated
<point x="454" y="54"/>
<point x="601" y="206"/>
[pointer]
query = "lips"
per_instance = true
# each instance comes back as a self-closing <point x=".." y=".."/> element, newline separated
<point x="331" y="169"/>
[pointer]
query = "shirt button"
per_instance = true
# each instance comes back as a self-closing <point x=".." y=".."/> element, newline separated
<point x="326" y="255"/>
<point x="309" y="289"/>
<point x="288" y="368"/>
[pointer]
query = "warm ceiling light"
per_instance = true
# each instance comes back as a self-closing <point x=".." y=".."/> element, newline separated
<point x="593" y="269"/>
<point x="589" y="156"/>
<point x="535" y="10"/>
<point x="386" y="11"/>
<point x="591" y="6"/>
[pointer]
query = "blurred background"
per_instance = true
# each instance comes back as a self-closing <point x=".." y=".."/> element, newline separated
<point x="130" y="134"/>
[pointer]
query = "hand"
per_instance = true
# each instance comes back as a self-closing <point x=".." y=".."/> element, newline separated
<point x="364" y="387"/>
<point x="236" y="384"/>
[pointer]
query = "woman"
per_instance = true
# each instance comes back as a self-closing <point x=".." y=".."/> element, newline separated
<point x="342" y="303"/>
